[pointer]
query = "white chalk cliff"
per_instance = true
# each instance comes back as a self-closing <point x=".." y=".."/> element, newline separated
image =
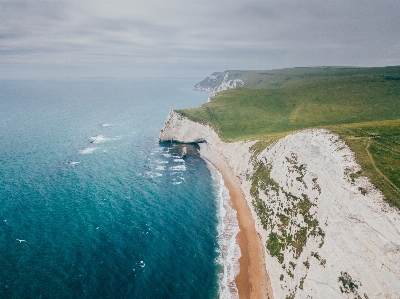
<point x="218" y="82"/>
<point x="327" y="233"/>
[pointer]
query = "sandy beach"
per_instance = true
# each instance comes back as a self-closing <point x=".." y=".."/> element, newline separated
<point x="252" y="280"/>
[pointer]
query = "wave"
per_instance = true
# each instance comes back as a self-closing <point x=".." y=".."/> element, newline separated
<point x="101" y="139"/>
<point x="88" y="150"/>
<point x="229" y="250"/>
<point x="178" y="167"/>
<point x="152" y="174"/>
<point x="179" y="160"/>
<point x="97" y="139"/>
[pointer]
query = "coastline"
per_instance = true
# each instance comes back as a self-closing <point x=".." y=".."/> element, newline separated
<point x="355" y="228"/>
<point x="253" y="280"/>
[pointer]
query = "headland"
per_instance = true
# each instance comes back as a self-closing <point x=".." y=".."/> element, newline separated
<point x="306" y="150"/>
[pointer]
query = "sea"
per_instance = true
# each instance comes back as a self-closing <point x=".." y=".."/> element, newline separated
<point x="93" y="206"/>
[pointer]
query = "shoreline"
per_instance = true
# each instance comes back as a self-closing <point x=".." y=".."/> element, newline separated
<point x="253" y="280"/>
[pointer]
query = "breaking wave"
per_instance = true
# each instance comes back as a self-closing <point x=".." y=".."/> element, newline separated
<point x="229" y="250"/>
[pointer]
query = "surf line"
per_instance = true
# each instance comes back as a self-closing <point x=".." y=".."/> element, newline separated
<point x="228" y="248"/>
<point x="253" y="280"/>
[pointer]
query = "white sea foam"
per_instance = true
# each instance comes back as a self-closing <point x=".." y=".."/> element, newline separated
<point x="152" y="174"/>
<point x="161" y="161"/>
<point x="167" y="155"/>
<point x="176" y="183"/>
<point x="179" y="160"/>
<point x="74" y="163"/>
<point x="97" y="139"/>
<point x="229" y="250"/>
<point x="87" y="150"/>
<point x="179" y="167"/>
<point x="105" y="125"/>
<point x="160" y="167"/>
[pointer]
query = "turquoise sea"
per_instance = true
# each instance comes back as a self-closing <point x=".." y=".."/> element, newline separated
<point x="93" y="206"/>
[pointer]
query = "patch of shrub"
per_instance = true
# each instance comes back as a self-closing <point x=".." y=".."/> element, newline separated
<point x="275" y="246"/>
<point x="348" y="284"/>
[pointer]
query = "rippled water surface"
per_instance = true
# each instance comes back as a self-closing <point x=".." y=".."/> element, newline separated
<point x="91" y="205"/>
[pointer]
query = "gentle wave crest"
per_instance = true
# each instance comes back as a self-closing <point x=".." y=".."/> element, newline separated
<point x="229" y="250"/>
<point x="97" y="139"/>
<point x="178" y="168"/>
<point x="88" y="150"/>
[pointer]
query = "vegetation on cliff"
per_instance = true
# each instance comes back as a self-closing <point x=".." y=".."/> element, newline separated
<point x="362" y="105"/>
<point x="322" y="222"/>
<point x="377" y="148"/>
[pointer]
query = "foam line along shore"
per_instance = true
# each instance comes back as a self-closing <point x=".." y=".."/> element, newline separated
<point x="252" y="280"/>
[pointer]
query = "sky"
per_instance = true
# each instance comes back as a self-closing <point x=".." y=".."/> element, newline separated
<point x="192" y="38"/>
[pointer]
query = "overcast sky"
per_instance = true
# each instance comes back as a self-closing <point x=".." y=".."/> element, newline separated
<point x="192" y="38"/>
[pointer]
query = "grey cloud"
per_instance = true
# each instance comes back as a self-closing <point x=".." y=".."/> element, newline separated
<point x="156" y="38"/>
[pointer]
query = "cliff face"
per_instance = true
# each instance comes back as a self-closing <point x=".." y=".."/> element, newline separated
<point x="180" y="129"/>
<point x="327" y="231"/>
<point x="218" y="82"/>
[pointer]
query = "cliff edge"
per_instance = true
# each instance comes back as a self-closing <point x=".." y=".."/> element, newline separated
<point x="218" y="81"/>
<point x="327" y="232"/>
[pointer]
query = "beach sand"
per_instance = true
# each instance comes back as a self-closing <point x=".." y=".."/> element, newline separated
<point x="253" y="280"/>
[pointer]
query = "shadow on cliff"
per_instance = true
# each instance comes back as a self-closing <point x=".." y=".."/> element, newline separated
<point x="181" y="149"/>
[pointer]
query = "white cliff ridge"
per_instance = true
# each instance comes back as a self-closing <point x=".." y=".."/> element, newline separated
<point x="181" y="129"/>
<point x="218" y="82"/>
<point x="327" y="234"/>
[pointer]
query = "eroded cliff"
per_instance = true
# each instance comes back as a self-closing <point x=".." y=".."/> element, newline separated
<point x="218" y="82"/>
<point x="327" y="231"/>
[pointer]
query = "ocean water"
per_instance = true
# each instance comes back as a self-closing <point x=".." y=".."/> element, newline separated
<point x="93" y="206"/>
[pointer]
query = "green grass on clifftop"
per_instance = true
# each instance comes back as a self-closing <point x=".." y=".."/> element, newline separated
<point x="362" y="105"/>
<point x="377" y="149"/>
<point x="273" y="79"/>
<point x="249" y="113"/>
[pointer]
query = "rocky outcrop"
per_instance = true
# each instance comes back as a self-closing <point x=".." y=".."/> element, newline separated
<point x="218" y="82"/>
<point x="178" y="128"/>
<point x="327" y="231"/>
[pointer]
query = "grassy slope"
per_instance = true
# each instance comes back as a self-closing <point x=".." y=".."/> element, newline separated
<point x="301" y="75"/>
<point x="353" y="102"/>
<point x="250" y="113"/>
<point x="377" y="148"/>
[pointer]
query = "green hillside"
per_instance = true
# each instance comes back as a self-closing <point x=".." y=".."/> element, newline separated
<point x="377" y="149"/>
<point x="300" y="75"/>
<point x="275" y="103"/>
<point x="249" y="113"/>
